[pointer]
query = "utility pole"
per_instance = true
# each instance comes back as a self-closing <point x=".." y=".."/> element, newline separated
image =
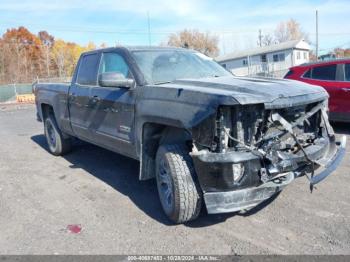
<point x="47" y="61"/>
<point x="260" y="38"/>
<point x="149" y="28"/>
<point x="316" y="35"/>
<point x="223" y="44"/>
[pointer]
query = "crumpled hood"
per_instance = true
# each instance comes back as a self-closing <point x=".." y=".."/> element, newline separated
<point x="274" y="93"/>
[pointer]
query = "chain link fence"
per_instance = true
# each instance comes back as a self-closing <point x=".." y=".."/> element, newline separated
<point x="8" y="93"/>
<point x="263" y="69"/>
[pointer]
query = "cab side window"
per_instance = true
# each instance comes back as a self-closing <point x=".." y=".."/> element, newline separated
<point x="87" y="74"/>
<point x="113" y="62"/>
<point x="327" y="72"/>
<point x="347" y="72"/>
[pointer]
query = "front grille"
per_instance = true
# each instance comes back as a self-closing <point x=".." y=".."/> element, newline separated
<point x="247" y="123"/>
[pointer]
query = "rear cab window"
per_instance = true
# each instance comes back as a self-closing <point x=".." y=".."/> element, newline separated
<point x="88" y="69"/>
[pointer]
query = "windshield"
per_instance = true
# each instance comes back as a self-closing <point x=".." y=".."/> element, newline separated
<point x="162" y="66"/>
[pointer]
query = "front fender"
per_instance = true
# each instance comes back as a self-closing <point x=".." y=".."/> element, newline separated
<point x="175" y="107"/>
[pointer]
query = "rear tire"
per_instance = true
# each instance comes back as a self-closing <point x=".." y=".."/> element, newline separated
<point x="58" y="144"/>
<point x="179" y="193"/>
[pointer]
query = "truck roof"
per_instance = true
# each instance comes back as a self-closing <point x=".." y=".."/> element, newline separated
<point x="136" y="48"/>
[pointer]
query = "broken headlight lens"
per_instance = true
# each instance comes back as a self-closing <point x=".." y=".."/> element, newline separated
<point x="238" y="172"/>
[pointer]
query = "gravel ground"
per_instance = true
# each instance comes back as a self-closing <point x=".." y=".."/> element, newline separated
<point x="45" y="199"/>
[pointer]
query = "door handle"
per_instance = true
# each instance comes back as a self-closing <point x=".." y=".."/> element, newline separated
<point x="73" y="96"/>
<point x="95" y="99"/>
<point x="346" y="89"/>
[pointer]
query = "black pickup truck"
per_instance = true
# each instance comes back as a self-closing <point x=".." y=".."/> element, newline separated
<point x="204" y="134"/>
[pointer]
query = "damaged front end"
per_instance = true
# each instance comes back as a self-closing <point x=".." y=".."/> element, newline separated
<point x="246" y="153"/>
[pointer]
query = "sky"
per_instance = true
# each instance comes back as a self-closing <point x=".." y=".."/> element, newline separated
<point x="235" y="23"/>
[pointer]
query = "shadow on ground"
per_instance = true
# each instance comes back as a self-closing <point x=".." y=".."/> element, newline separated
<point x="121" y="173"/>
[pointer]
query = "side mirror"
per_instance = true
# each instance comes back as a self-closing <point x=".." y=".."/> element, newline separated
<point x="115" y="79"/>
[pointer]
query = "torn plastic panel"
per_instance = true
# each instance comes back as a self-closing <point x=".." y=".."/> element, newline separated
<point x="245" y="147"/>
<point x="235" y="200"/>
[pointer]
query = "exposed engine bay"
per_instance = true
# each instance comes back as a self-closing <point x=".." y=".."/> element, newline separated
<point x="287" y="139"/>
<point x="245" y="154"/>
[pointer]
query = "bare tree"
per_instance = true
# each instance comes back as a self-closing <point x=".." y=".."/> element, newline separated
<point x="48" y="41"/>
<point x="193" y="39"/>
<point x="59" y="55"/>
<point x="2" y="62"/>
<point x="267" y="40"/>
<point x="312" y="56"/>
<point x="281" y="34"/>
<point x="289" y="30"/>
<point x="285" y="31"/>
<point x="46" y="38"/>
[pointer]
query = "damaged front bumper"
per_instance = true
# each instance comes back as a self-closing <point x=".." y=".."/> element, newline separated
<point x="222" y="194"/>
<point x="330" y="162"/>
<point x="230" y="201"/>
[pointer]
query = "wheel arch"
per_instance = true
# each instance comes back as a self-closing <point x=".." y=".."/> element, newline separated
<point x="153" y="135"/>
<point x="46" y="109"/>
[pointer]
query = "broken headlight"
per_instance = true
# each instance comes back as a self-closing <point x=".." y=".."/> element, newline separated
<point x="238" y="172"/>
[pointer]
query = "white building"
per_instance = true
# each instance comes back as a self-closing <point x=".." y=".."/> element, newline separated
<point x="271" y="61"/>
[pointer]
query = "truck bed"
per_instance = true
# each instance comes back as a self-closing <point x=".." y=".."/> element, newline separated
<point x="54" y="94"/>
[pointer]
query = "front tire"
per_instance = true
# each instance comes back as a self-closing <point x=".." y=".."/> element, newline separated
<point x="58" y="144"/>
<point x="179" y="193"/>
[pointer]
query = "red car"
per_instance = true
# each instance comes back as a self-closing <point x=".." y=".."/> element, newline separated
<point x="334" y="76"/>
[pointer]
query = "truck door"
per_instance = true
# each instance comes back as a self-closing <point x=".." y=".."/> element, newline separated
<point x="80" y="107"/>
<point x="112" y="124"/>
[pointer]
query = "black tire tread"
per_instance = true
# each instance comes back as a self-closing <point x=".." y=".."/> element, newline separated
<point x="187" y="192"/>
<point x="64" y="145"/>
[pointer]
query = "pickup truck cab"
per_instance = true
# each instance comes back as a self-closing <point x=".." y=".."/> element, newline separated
<point x="205" y="135"/>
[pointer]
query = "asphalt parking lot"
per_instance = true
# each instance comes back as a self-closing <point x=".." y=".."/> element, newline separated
<point x="91" y="202"/>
